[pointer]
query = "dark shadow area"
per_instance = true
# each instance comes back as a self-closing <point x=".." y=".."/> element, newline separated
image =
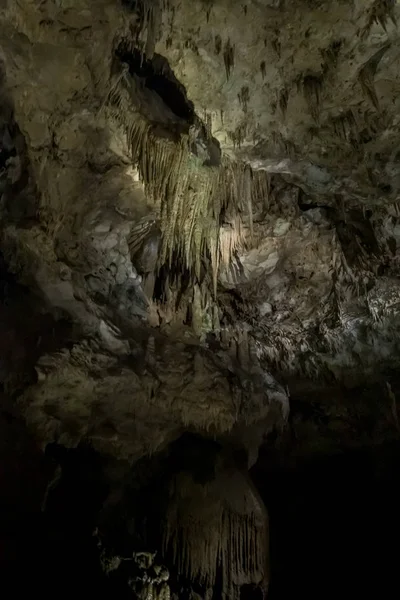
<point x="52" y="552"/>
<point x="18" y="194"/>
<point x="334" y="525"/>
<point x="135" y="522"/>
<point x="157" y="76"/>
<point x="27" y="330"/>
<point x="334" y="521"/>
<point x="45" y="553"/>
<point x="163" y="101"/>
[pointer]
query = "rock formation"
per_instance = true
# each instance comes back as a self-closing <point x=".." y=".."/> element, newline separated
<point x="200" y="221"/>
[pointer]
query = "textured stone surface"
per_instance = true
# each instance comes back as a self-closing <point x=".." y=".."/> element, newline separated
<point x="304" y="90"/>
<point x="312" y="89"/>
<point x="199" y="223"/>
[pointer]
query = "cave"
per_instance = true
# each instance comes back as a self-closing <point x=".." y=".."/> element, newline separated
<point x="199" y="298"/>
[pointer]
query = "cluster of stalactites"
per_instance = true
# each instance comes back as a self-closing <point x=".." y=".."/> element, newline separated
<point x="149" y="15"/>
<point x="205" y="212"/>
<point x="208" y="540"/>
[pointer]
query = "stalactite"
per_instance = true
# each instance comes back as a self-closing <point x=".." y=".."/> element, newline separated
<point x="229" y="58"/>
<point x="238" y="136"/>
<point x="247" y="189"/>
<point x="244" y="97"/>
<point x="139" y="231"/>
<point x="208" y="124"/>
<point x="150" y="12"/>
<point x="261" y="189"/>
<point x="283" y="100"/>
<point x="346" y="127"/>
<point x="330" y="56"/>
<point x="312" y="89"/>
<point x="150" y="351"/>
<point x="231" y="239"/>
<point x="217" y="44"/>
<point x="276" y="44"/>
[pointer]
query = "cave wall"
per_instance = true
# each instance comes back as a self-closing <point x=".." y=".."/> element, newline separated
<point x="199" y="223"/>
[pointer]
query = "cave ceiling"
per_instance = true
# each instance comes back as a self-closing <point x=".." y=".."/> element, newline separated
<point x="200" y="202"/>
